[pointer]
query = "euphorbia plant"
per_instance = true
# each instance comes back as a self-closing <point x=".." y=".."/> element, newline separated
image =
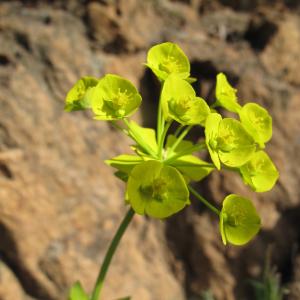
<point x="162" y="167"/>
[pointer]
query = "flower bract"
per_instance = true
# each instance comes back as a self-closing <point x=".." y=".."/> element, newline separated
<point x="227" y="141"/>
<point x="259" y="172"/>
<point x="239" y="221"/>
<point x="179" y="102"/>
<point x="257" y="122"/>
<point x="79" y="96"/>
<point x="168" y="58"/>
<point x="226" y="94"/>
<point x="114" y="98"/>
<point x="156" y="189"/>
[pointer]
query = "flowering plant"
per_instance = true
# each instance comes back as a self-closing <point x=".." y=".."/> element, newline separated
<point x="160" y="173"/>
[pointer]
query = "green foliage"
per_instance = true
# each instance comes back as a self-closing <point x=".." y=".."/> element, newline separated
<point x="77" y="292"/>
<point x="167" y="58"/>
<point x="114" y="98"/>
<point x="156" y="190"/>
<point x="268" y="287"/>
<point x="158" y="176"/>
<point x="239" y="221"/>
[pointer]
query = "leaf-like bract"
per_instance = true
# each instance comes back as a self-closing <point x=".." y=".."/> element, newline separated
<point x="168" y="58"/>
<point x="226" y="94"/>
<point x="79" y="96"/>
<point x="211" y="137"/>
<point x="239" y="221"/>
<point x="157" y="190"/>
<point x="259" y="172"/>
<point x="125" y="162"/>
<point x="114" y="98"/>
<point x="257" y="122"/>
<point x="145" y="138"/>
<point x="235" y="145"/>
<point x="77" y="292"/>
<point x="192" y="167"/>
<point x="179" y="102"/>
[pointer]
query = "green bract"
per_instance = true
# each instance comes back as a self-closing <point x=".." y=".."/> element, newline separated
<point x="79" y="96"/>
<point x="239" y="221"/>
<point x="227" y="141"/>
<point x="226" y="94"/>
<point x="257" y="122"/>
<point x="259" y="172"/>
<point x="179" y="102"/>
<point x="114" y="98"/>
<point x="156" y="190"/>
<point x="167" y="58"/>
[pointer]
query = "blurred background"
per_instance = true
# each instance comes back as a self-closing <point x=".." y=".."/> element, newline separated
<point x="60" y="204"/>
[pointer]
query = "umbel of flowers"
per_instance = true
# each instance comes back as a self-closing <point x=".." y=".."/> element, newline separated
<point x="158" y="176"/>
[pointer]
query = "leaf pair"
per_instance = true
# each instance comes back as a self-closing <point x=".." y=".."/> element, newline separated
<point x="111" y="98"/>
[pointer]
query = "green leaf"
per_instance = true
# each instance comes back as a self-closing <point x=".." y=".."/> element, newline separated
<point x="226" y="94"/>
<point x="234" y="144"/>
<point x="239" y="221"/>
<point x="211" y="137"/>
<point x="79" y="96"/>
<point x="192" y="167"/>
<point x="167" y="58"/>
<point x="124" y="163"/>
<point x="145" y="138"/>
<point x="77" y="292"/>
<point x="259" y="172"/>
<point x="156" y="190"/>
<point x="114" y="98"/>
<point x="179" y="102"/>
<point x="257" y="121"/>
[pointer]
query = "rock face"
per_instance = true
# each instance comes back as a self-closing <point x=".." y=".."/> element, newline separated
<point x="60" y="204"/>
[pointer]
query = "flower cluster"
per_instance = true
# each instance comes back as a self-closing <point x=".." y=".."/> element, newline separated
<point x="159" y="175"/>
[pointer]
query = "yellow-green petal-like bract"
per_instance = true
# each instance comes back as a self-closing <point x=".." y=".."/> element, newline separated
<point x="168" y="58"/>
<point x="257" y="121"/>
<point x="114" y="98"/>
<point x="259" y="172"/>
<point x="79" y="96"/>
<point x="179" y="102"/>
<point x="235" y="145"/>
<point x="156" y="190"/>
<point x="226" y="94"/>
<point x="239" y="221"/>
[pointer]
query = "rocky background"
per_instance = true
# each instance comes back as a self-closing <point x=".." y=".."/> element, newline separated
<point x="59" y="203"/>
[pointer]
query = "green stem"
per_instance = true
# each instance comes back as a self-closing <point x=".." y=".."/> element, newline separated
<point x="204" y="201"/>
<point x="115" y="125"/>
<point x="162" y="139"/>
<point x="180" y="138"/>
<point x="178" y="130"/>
<point x="110" y="253"/>
<point x="187" y="151"/>
<point x="160" y="118"/>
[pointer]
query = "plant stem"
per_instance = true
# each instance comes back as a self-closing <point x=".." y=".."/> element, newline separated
<point x="178" y="130"/>
<point x="204" y="201"/>
<point x="110" y="253"/>
<point x="180" y="138"/>
<point x="160" y="118"/>
<point x="187" y="151"/>
<point x="162" y="139"/>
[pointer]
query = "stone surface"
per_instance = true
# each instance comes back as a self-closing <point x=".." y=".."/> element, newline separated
<point x="60" y="204"/>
